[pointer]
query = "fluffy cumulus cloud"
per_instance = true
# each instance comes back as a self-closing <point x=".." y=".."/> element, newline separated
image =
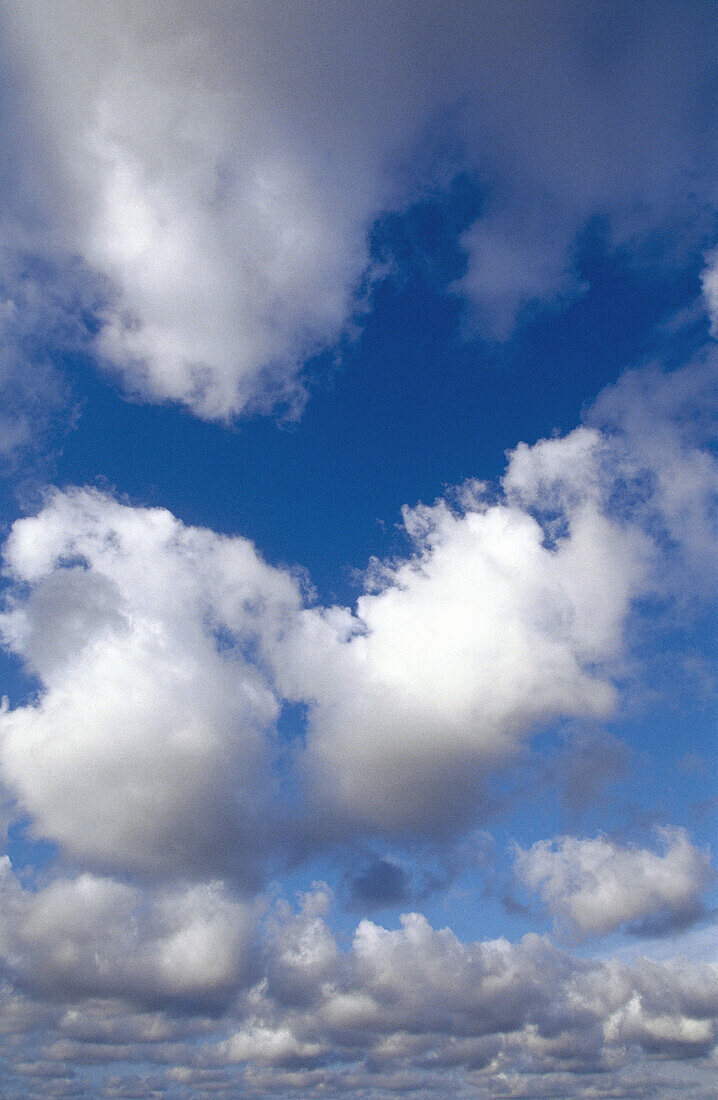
<point x="595" y="886"/>
<point x="510" y="611"/>
<point x="200" y="158"/>
<point x="484" y="633"/>
<point x="123" y="614"/>
<point x="100" y="937"/>
<point x="155" y="645"/>
<point x="191" y="195"/>
<point x="413" y="1009"/>
<point x="214" y="174"/>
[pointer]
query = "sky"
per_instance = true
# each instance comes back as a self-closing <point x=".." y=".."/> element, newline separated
<point x="358" y="524"/>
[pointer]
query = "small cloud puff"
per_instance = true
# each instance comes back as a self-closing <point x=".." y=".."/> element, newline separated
<point x="593" y="887"/>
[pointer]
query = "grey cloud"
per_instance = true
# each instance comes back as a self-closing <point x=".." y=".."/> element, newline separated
<point x="416" y="999"/>
<point x="301" y="951"/>
<point x="589" y="762"/>
<point x="92" y="936"/>
<point x="378" y="885"/>
<point x="373" y="882"/>
<point x="416" y="1011"/>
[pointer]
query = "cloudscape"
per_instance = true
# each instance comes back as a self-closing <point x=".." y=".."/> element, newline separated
<point x="359" y="539"/>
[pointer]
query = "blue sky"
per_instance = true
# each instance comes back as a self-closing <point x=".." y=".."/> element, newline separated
<point x="358" y="511"/>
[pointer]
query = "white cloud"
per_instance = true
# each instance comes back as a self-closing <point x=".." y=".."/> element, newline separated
<point x="595" y="886"/>
<point x="136" y="627"/>
<point x="710" y="287"/>
<point x="93" y="936"/>
<point x="220" y="169"/>
<point x="417" y="998"/>
<point x="511" y="611"/>
<point x="495" y="625"/>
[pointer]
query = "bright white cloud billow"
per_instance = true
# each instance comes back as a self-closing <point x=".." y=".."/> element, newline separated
<point x="217" y="170"/>
<point x="162" y="650"/>
<point x="595" y="886"/>
<point x="146" y="692"/>
<point x="483" y="634"/>
<point x="510" y="612"/>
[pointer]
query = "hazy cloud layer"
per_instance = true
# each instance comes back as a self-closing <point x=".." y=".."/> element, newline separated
<point x="41" y="312"/>
<point x="710" y="288"/>
<point x="219" y="170"/>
